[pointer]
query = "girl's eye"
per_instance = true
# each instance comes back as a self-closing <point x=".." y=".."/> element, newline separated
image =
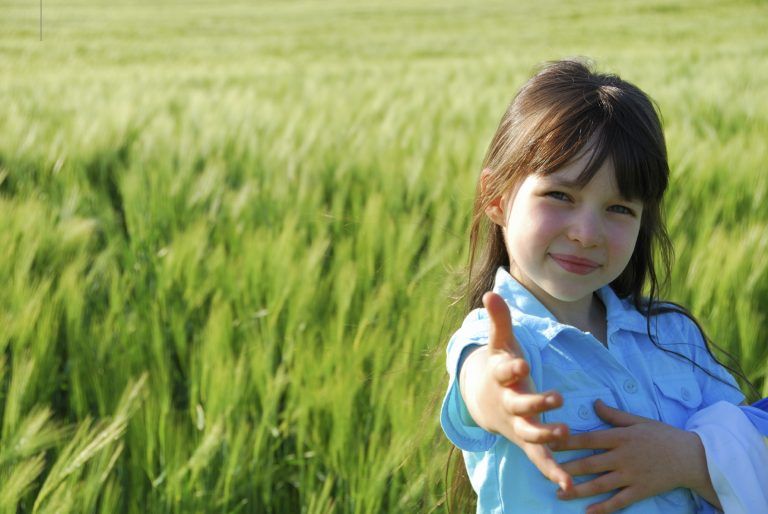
<point x="622" y="210"/>
<point x="558" y="195"/>
<point x="563" y="197"/>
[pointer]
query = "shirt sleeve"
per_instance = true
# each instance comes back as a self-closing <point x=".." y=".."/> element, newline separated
<point x="737" y="459"/>
<point x="735" y="452"/>
<point x="715" y="382"/>
<point x="455" y="419"/>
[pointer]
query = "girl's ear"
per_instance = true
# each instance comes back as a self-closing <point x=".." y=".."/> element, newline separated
<point x="495" y="209"/>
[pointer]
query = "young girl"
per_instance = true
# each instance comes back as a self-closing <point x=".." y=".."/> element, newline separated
<point x="567" y="222"/>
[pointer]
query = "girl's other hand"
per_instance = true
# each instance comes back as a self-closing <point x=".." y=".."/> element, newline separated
<point x="643" y="458"/>
<point x="501" y="398"/>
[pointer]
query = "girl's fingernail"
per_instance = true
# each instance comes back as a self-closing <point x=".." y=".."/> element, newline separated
<point x="550" y="401"/>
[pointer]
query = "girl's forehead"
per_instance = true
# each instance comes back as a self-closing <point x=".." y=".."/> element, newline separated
<point x="571" y="174"/>
<point x="577" y="166"/>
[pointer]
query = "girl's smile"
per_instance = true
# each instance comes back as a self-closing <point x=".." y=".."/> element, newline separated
<point x="575" y="264"/>
<point x="564" y="241"/>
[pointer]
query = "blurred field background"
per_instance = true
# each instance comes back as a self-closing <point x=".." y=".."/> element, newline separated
<point x="230" y="231"/>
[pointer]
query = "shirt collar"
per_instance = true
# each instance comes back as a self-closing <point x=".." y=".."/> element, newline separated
<point x="528" y="310"/>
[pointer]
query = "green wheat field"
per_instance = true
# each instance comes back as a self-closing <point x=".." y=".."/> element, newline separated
<point x="230" y="233"/>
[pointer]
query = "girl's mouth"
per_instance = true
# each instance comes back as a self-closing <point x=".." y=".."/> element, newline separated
<point x="574" y="264"/>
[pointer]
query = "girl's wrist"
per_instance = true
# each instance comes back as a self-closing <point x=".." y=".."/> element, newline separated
<point x="697" y="476"/>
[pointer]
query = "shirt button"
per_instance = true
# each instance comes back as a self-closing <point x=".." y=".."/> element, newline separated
<point x="685" y="393"/>
<point x="583" y="412"/>
<point x="630" y="386"/>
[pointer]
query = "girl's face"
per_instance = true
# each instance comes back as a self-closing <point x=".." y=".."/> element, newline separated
<point x="564" y="242"/>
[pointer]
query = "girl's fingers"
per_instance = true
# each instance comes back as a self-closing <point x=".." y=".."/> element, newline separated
<point x="618" y="501"/>
<point x="602" y="484"/>
<point x="597" y="463"/>
<point x="617" y="417"/>
<point x="508" y="370"/>
<point x="530" y="431"/>
<point x="597" y="440"/>
<point x="516" y="404"/>
<point x="549" y="467"/>
<point x="542" y="458"/>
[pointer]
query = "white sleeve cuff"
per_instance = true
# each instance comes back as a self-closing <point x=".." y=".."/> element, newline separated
<point x="737" y="459"/>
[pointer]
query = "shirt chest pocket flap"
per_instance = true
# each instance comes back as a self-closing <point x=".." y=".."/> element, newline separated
<point x="578" y="410"/>
<point x="678" y="396"/>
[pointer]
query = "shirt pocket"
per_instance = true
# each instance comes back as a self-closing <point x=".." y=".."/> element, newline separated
<point x="679" y="397"/>
<point x="578" y="412"/>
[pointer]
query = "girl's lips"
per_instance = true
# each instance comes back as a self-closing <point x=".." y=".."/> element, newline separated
<point x="574" y="264"/>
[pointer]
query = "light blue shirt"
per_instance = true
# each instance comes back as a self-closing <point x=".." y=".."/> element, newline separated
<point x="631" y="374"/>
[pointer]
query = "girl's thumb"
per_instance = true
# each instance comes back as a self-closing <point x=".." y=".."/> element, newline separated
<point x="501" y="336"/>
<point x="616" y="417"/>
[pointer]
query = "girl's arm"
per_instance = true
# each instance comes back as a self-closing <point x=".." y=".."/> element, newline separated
<point x="500" y="397"/>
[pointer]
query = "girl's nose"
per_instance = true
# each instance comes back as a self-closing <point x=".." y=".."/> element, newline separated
<point x="586" y="228"/>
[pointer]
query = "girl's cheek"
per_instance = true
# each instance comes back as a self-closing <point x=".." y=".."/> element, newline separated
<point x="548" y="219"/>
<point x="623" y="238"/>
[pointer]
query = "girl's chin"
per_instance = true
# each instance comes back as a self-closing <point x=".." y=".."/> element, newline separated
<point x="559" y="289"/>
<point x="569" y="294"/>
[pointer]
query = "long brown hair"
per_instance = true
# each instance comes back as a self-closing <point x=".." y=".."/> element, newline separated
<point x="549" y="122"/>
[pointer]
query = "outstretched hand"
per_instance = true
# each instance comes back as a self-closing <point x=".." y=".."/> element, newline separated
<point x="501" y="397"/>
<point x="643" y="458"/>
